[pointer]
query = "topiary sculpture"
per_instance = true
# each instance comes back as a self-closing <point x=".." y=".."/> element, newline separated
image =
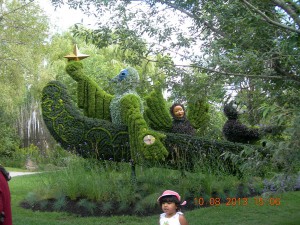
<point x="234" y="130"/>
<point x="120" y="127"/>
<point x="123" y="109"/>
<point x="180" y="123"/>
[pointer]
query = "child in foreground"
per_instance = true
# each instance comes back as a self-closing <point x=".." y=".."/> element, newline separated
<point x="171" y="206"/>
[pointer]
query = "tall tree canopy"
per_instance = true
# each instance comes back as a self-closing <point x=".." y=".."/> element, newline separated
<point x="248" y="46"/>
<point x="236" y="37"/>
<point x="23" y="31"/>
<point x="235" y="41"/>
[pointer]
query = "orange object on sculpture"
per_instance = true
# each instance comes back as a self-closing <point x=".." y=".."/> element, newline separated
<point x="76" y="55"/>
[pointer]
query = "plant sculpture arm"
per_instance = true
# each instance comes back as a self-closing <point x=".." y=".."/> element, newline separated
<point x="138" y="130"/>
<point x="156" y="113"/>
<point x="91" y="98"/>
<point x="198" y="113"/>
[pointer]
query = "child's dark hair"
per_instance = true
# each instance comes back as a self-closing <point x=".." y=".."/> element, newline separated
<point x="170" y="198"/>
<point x="5" y="173"/>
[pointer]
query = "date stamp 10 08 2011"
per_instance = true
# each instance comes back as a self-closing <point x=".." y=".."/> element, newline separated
<point x="258" y="201"/>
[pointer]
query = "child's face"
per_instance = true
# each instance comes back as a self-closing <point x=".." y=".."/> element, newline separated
<point x="169" y="208"/>
<point x="178" y="111"/>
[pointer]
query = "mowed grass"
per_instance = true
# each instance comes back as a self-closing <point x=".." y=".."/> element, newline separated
<point x="287" y="213"/>
<point x="10" y="169"/>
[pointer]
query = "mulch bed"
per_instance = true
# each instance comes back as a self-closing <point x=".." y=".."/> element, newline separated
<point x="99" y="209"/>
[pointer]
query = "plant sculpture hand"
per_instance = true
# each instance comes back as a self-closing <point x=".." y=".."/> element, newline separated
<point x="125" y="108"/>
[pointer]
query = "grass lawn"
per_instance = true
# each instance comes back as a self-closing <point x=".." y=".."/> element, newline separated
<point x="287" y="213"/>
<point x="10" y="169"/>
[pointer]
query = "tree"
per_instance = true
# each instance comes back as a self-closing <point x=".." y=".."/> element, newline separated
<point x="254" y="44"/>
<point x="228" y="31"/>
<point x="249" y="47"/>
<point x="23" y="31"/>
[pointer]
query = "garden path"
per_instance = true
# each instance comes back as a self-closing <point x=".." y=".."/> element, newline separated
<point x="14" y="174"/>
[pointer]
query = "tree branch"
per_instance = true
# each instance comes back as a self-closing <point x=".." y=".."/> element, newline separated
<point x="191" y="15"/>
<point x="289" y="10"/>
<point x="16" y="9"/>
<point x="231" y="74"/>
<point x="224" y="73"/>
<point x="269" y="20"/>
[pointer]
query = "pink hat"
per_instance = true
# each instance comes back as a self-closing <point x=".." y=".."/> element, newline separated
<point x="168" y="193"/>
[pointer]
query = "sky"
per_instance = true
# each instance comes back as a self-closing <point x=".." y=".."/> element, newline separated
<point x="63" y="18"/>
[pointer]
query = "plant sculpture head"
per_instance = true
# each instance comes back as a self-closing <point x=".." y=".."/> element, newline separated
<point x="177" y="111"/>
<point x="126" y="81"/>
<point x="230" y="111"/>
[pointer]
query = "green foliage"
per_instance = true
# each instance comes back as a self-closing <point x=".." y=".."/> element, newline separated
<point x="9" y="140"/>
<point x="87" y="205"/>
<point x="243" y="37"/>
<point x="32" y="198"/>
<point x="87" y="136"/>
<point x="24" y="40"/>
<point x="138" y="129"/>
<point x="204" y="154"/>
<point x="20" y="156"/>
<point x="284" y="145"/>
<point x="107" y="207"/>
<point x="250" y="161"/>
<point x="254" y="50"/>
<point x="131" y="47"/>
<point x="104" y="183"/>
<point x="216" y="122"/>
<point x="23" y="30"/>
<point x="50" y="159"/>
<point x="110" y="190"/>
<point x="59" y="204"/>
<point x="93" y="100"/>
<point x="286" y="153"/>
<point x="101" y="139"/>
<point x="280" y="183"/>
<point x="285" y="213"/>
<point x="198" y="113"/>
<point x="156" y="113"/>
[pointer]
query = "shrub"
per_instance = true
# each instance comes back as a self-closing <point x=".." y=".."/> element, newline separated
<point x="87" y="205"/>
<point x="108" y="190"/>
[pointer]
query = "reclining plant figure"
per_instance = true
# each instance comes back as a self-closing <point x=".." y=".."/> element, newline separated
<point x="119" y="127"/>
<point x="115" y="117"/>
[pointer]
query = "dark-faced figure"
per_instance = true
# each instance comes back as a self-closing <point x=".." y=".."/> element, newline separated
<point x="235" y="131"/>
